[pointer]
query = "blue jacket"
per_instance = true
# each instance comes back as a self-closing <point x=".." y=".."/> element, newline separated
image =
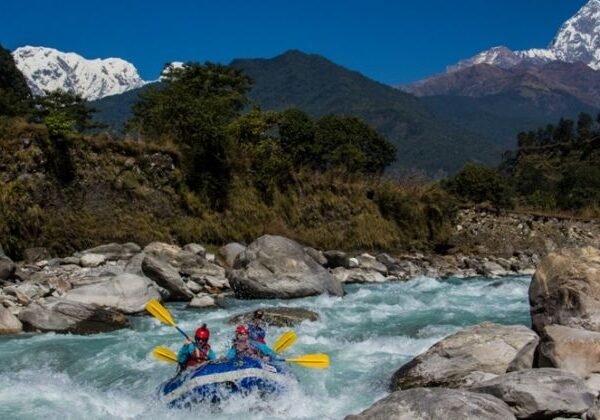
<point x="262" y="348"/>
<point x="256" y="332"/>
<point x="187" y="350"/>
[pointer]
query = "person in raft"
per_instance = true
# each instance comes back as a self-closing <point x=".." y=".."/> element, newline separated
<point x="193" y="354"/>
<point x="256" y="327"/>
<point x="243" y="346"/>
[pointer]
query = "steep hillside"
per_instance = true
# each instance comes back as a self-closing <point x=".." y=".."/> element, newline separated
<point x="320" y="87"/>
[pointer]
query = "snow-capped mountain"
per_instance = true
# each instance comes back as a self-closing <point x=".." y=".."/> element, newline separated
<point x="50" y="69"/>
<point x="578" y="40"/>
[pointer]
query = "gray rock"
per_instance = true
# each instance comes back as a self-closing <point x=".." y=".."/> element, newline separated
<point x="114" y="251"/>
<point x="33" y="255"/>
<point x="386" y="260"/>
<point x="540" y="393"/>
<point x="2" y="254"/>
<point x="486" y="347"/>
<point x="134" y="265"/>
<point x="565" y="290"/>
<point x="525" y="357"/>
<point x="316" y="255"/>
<point x="92" y="260"/>
<point x="126" y="293"/>
<point x="493" y="269"/>
<point x="357" y="275"/>
<point x="7" y="268"/>
<point x="352" y="263"/>
<point x="278" y="316"/>
<point x="9" y="324"/>
<point x="166" y="276"/>
<point x="160" y="249"/>
<point x="196" y="249"/>
<point x="436" y="403"/>
<point x="193" y="286"/>
<point x="228" y="253"/>
<point x="202" y="301"/>
<point x="336" y="259"/>
<point x="276" y="267"/>
<point x="572" y="349"/>
<point x="368" y="262"/>
<point x="70" y="260"/>
<point x="61" y="315"/>
<point x="593" y="413"/>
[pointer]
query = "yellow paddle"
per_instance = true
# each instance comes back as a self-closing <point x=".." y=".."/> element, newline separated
<point x="284" y="342"/>
<point x="315" y="361"/>
<point x="164" y="354"/>
<point x="161" y="313"/>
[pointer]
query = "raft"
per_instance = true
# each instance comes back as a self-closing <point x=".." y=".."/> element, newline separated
<point x="217" y="381"/>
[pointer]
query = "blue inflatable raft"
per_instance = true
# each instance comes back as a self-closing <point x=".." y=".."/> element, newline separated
<point x="217" y="381"/>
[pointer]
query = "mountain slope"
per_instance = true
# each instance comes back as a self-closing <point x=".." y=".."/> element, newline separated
<point x="320" y="87"/>
<point x="50" y="69"/>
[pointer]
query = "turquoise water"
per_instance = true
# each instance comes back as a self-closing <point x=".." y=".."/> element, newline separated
<point x="368" y="334"/>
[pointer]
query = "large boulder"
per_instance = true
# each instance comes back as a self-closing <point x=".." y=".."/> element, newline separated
<point x="565" y="290"/>
<point x="9" y="324"/>
<point x="127" y="293"/>
<point x="436" y="403"/>
<point x="279" y="316"/>
<point x="540" y="393"/>
<point x="452" y="362"/>
<point x="228" y="253"/>
<point x="572" y="349"/>
<point x="7" y="268"/>
<point x="114" y="251"/>
<point x="65" y="316"/>
<point x="166" y="276"/>
<point x="276" y="267"/>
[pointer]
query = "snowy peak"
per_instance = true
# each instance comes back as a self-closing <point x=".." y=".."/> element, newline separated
<point x="578" y="40"/>
<point x="579" y="37"/>
<point x="50" y="69"/>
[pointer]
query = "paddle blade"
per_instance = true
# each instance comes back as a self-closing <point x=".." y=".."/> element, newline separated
<point x="285" y="341"/>
<point x="164" y="354"/>
<point x="159" y="312"/>
<point x="315" y="361"/>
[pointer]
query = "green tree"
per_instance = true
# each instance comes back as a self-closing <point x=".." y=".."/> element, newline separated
<point x="579" y="187"/>
<point x="64" y="112"/>
<point x="585" y="125"/>
<point x="564" y="131"/>
<point x="15" y="96"/>
<point x="193" y="107"/>
<point x="297" y="136"/>
<point x="348" y="142"/>
<point x="478" y="184"/>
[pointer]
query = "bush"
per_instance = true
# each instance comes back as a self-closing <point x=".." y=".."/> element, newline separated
<point x="479" y="184"/>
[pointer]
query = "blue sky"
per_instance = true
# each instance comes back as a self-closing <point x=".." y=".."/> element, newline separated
<point x="390" y="41"/>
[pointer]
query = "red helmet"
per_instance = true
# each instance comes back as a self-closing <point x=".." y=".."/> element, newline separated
<point x="241" y="329"/>
<point x="202" y="333"/>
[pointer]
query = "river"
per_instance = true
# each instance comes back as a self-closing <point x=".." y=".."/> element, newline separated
<point x="368" y="334"/>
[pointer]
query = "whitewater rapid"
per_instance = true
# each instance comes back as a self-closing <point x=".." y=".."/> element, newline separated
<point x="368" y="334"/>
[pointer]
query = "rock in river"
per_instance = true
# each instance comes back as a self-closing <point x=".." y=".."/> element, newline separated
<point x="540" y="393"/>
<point x="61" y="315"/>
<point x="436" y="403"/>
<point x="452" y="362"/>
<point x="274" y="267"/>
<point x="279" y="316"/>
<point x="565" y="290"/>
<point x="126" y="293"/>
